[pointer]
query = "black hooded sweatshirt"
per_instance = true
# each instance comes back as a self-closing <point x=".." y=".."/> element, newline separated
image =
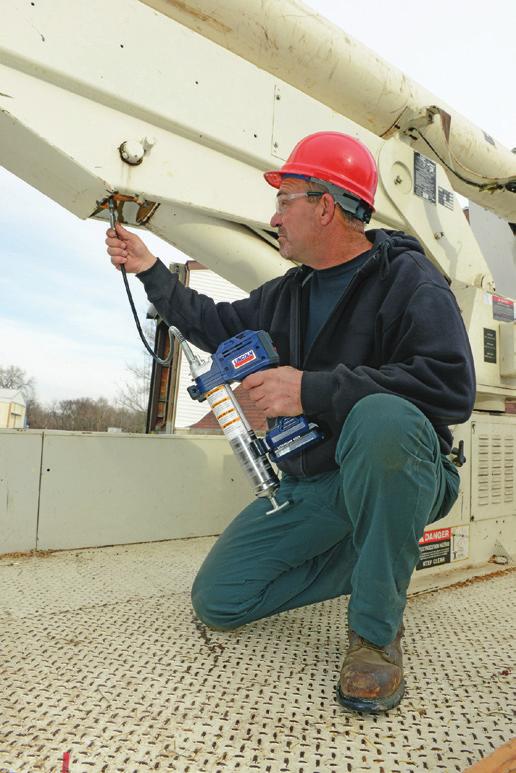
<point x="396" y="330"/>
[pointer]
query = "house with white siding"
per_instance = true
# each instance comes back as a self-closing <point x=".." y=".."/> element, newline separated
<point x="12" y="409"/>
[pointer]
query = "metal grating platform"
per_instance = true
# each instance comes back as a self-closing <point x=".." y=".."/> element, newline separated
<point x="101" y="656"/>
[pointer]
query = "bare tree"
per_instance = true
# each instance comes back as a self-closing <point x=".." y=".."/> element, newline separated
<point x="133" y="395"/>
<point x="13" y="377"/>
<point x="37" y="416"/>
<point x="84" y="414"/>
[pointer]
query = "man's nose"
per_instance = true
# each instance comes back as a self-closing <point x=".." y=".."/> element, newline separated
<point x="275" y="220"/>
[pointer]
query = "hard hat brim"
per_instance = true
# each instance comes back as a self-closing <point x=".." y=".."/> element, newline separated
<point x="273" y="178"/>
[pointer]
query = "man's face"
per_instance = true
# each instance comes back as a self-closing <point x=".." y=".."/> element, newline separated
<point x="296" y="222"/>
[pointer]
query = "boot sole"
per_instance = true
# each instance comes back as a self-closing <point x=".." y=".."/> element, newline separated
<point x="368" y="706"/>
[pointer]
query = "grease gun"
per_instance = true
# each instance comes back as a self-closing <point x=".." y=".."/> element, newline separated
<point x="234" y="359"/>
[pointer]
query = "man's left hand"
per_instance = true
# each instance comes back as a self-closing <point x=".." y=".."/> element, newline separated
<point x="276" y="391"/>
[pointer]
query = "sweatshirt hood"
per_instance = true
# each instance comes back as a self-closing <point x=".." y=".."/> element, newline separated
<point x="396" y="241"/>
<point x="385" y="244"/>
<point x="389" y="244"/>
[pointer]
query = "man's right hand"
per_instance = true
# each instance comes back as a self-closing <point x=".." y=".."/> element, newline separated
<point x="128" y="249"/>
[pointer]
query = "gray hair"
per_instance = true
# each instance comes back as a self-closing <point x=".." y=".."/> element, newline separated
<point x="353" y="222"/>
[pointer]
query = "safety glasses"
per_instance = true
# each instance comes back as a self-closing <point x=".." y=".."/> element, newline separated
<point x="282" y="199"/>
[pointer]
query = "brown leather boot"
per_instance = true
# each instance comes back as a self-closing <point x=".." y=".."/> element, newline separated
<point x="371" y="679"/>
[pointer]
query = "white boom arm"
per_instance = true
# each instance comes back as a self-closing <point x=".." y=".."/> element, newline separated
<point x="292" y="42"/>
<point x="202" y="122"/>
<point x="103" y="97"/>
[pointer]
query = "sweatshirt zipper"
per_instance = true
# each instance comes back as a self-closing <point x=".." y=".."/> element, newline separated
<point x="295" y="336"/>
<point x="295" y="326"/>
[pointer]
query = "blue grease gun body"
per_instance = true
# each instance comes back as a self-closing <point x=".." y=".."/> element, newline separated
<point x="236" y="358"/>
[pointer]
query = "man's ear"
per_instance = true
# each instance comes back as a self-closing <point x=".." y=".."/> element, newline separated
<point x="327" y="208"/>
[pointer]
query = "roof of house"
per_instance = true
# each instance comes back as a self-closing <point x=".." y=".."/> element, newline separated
<point x="11" y="396"/>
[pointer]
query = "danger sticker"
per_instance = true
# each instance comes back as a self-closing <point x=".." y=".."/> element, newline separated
<point x="243" y="359"/>
<point x="438" y="535"/>
<point x="442" y="546"/>
<point x="503" y="309"/>
<point x="434" y="548"/>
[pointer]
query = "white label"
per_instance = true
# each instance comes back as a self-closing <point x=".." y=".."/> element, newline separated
<point x="225" y="412"/>
<point x="460" y="543"/>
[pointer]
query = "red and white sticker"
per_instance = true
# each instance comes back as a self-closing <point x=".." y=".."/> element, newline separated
<point x="503" y="308"/>
<point x="443" y="546"/>
<point x="436" y="535"/>
<point x="243" y="359"/>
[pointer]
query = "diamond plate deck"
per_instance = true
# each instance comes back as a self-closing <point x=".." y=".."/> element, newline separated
<point x="101" y="655"/>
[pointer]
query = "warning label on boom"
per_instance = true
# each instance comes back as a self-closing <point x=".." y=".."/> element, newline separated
<point x="489" y="345"/>
<point x="424" y="177"/>
<point x="503" y="309"/>
<point x="445" y="198"/>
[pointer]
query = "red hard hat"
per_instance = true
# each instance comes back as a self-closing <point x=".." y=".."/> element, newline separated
<point x="335" y="158"/>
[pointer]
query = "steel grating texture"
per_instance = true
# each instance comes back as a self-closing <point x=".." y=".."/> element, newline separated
<point x="102" y="656"/>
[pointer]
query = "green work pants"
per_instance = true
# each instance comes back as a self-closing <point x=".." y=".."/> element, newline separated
<point x="353" y="531"/>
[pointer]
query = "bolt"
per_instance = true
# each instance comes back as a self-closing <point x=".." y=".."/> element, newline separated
<point x="132" y="152"/>
<point x="398" y="180"/>
<point x="149" y="142"/>
<point x="438" y="235"/>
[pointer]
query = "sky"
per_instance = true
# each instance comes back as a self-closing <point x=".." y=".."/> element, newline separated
<point x="64" y="315"/>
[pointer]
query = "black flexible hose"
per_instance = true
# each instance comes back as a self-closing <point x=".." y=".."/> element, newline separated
<point x="166" y="362"/>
